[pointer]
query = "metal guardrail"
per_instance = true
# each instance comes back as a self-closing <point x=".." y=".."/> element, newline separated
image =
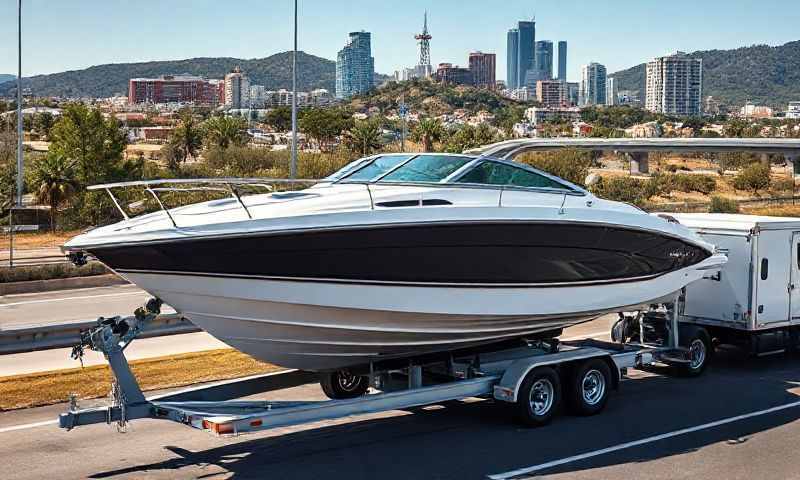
<point x="33" y="338"/>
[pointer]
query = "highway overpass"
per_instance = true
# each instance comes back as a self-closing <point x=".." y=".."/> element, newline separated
<point x="639" y="148"/>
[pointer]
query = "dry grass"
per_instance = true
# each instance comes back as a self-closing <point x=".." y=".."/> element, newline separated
<point x="777" y="211"/>
<point x="39" y="239"/>
<point x="47" y="388"/>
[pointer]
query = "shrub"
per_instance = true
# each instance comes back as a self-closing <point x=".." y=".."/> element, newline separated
<point x="687" y="183"/>
<point x="623" y="189"/>
<point x="755" y="177"/>
<point x="723" y="205"/>
<point x="784" y="185"/>
<point x="50" y="272"/>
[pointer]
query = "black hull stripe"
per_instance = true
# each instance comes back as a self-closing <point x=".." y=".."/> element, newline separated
<point x="388" y="283"/>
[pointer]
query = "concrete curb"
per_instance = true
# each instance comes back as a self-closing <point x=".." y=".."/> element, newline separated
<point x="37" y="286"/>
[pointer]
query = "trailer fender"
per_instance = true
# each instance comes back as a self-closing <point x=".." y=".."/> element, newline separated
<point x="507" y="389"/>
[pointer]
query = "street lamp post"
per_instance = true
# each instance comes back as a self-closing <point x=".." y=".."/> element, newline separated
<point x="18" y="200"/>
<point x="293" y="165"/>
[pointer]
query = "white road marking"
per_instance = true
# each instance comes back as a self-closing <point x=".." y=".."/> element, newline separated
<point x="28" y="426"/>
<point x="48" y="300"/>
<point x="75" y="290"/>
<point x="636" y="443"/>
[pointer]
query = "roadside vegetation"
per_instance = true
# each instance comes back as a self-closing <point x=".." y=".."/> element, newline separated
<point x="28" y="273"/>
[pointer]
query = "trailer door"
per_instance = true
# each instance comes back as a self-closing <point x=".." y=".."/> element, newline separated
<point x="794" y="285"/>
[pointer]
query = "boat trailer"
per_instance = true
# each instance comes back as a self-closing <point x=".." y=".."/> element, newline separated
<point x="534" y="377"/>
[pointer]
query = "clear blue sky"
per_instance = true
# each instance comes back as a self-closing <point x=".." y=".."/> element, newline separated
<point x="73" y="34"/>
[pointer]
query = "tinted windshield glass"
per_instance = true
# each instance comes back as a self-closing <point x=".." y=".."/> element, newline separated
<point x="427" y="168"/>
<point x="347" y="169"/>
<point x="492" y="173"/>
<point x="378" y="167"/>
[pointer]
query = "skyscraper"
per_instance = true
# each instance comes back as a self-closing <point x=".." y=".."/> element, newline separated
<point x="675" y="85"/>
<point x="512" y="52"/>
<point x="482" y="66"/>
<point x="525" y="49"/>
<point x="543" y="60"/>
<point x="611" y="92"/>
<point x="237" y="89"/>
<point x="562" y="61"/>
<point x="355" y="67"/>
<point x="593" y="84"/>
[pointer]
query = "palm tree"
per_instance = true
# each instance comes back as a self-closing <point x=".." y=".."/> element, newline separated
<point x="55" y="181"/>
<point x="364" y="137"/>
<point x="223" y="131"/>
<point x="187" y="138"/>
<point x="428" y="131"/>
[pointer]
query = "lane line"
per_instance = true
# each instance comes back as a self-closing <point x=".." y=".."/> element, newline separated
<point x="28" y="426"/>
<point x="586" y="336"/>
<point x="73" y="290"/>
<point x="48" y="300"/>
<point x="636" y="443"/>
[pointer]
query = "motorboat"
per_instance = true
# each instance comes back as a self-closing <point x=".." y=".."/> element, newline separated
<point x="395" y="256"/>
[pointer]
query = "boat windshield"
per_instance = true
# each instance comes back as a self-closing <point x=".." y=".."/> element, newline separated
<point x="427" y="169"/>
<point x="497" y="173"/>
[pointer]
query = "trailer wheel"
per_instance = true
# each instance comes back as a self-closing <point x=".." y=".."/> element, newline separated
<point x="697" y="340"/>
<point x="342" y="384"/>
<point x="539" y="397"/>
<point x="589" y="387"/>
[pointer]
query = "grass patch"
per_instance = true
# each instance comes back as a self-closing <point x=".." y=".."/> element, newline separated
<point x="48" y="388"/>
<point x="40" y="239"/>
<point x="777" y="211"/>
<point x="51" y="272"/>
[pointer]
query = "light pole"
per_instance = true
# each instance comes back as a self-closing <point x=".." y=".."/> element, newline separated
<point x="18" y="202"/>
<point x="293" y="164"/>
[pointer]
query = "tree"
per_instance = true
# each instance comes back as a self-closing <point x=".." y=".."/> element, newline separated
<point x="93" y="142"/>
<point x="224" y="131"/>
<point x="570" y="164"/>
<point x="428" y="131"/>
<point x="754" y="177"/>
<point x="364" y="137"/>
<point x="43" y="122"/>
<point x="467" y="137"/>
<point x="8" y="168"/>
<point x="280" y="119"/>
<point x="325" y="124"/>
<point x="55" y="182"/>
<point x="186" y="139"/>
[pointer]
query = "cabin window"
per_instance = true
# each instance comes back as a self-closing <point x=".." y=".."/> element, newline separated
<point x="493" y="173"/>
<point x="378" y="167"/>
<point x="427" y="168"/>
<point x="764" y="268"/>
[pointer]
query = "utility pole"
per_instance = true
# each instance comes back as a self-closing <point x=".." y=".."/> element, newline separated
<point x="293" y="165"/>
<point x="18" y="202"/>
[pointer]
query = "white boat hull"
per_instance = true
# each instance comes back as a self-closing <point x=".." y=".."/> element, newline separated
<point x="324" y="326"/>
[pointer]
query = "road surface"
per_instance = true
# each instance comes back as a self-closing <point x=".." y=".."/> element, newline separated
<point x="716" y="426"/>
<point x="32" y="256"/>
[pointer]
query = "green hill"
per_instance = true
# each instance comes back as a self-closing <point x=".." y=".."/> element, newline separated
<point x="760" y="73"/>
<point x="273" y="72"/>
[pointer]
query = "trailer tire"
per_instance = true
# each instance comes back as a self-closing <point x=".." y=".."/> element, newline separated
<point x="589" y="387"/>
<point x="539" y="397"/>
<point x="341" y="384"/>
<point x="698" y="341"/>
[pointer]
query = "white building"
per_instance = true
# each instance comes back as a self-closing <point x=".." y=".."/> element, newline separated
<point x="237" y="89"/>
<point x="794" y="110"/>
<point x="536" y="115"/>
<point x="258" y="96"/>
<point x="751" y="110"/>
<point x="593" y="84"/>
<point x="674" y="85"/>
<point x="611" y="92"/>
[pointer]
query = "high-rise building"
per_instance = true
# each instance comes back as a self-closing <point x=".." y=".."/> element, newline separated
<point x="355" y="67"/>
<point x="552" y="93"/>
<point x="483" y="66"/>
<point x="562" y="61"/>
<point x="593" y="84"/>
<point x="512" y="53"/>
<point x="574" y="93"/>
<point x="611" y="92"/>
<point x="424" y="68"/>
<point x="525" y="49"/>
<point x="675" y="85"/>
<point x="543" y="60"/>
<point x="258" y="96"/>
<point x="237" y="89"/>
<point x="174" y="89"/>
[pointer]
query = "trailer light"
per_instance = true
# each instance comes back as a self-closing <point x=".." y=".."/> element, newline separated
<point x="256" y="423"/>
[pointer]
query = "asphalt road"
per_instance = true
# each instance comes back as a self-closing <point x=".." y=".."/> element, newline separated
<point x="463" y="440"/>
<point x="32" y="256"/>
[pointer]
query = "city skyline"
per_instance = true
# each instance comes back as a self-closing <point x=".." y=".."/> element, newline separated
<point x="628" y="36"/>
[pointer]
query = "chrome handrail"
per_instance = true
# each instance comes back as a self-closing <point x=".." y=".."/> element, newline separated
<point x="230" y="183"/>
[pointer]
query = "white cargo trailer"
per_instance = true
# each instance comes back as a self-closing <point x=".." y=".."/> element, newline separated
<point x="754" y="301"/>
